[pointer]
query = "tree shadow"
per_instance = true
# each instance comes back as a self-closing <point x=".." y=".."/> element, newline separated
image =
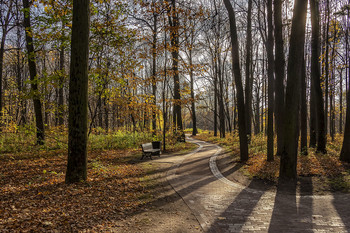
<point x="292" y="214"/>
<point x="340" y="202"/>
<point x="238" y="212"/>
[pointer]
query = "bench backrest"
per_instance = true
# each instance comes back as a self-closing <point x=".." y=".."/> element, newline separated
<point x="147" y="146"/>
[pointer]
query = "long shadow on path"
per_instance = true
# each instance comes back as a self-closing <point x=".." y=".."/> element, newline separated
<point x="236" y="217"/>
<point x="291" y="214"/>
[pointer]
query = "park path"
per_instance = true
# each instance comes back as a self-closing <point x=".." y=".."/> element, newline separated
<point x="222" y="206"/>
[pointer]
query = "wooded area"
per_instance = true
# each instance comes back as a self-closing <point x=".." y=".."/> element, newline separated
<point x="279" y="68"/>
<point x="83" y="83"/>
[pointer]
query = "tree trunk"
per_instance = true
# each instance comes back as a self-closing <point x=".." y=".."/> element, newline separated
<point x="2" y="51"/>
<point x="215" y="99"/>
<point x="288" y="168"/>
<point x="193" y="106"/>
<point x="248" y="91"/>
<point x="327" y="69"/>
<point x="270" y="69"/>
<point x="332" y="89"/>
<point x="238" y="81"/>
<point x="279" y="73"/>
<point x="78" y="93"/>
<point x="345" y="151"/>
<point x="341" y="103"/>
<point x="154" y="74"/>
<point x="174" y="37"/>
<point x="40" y="135"/>
<point x="313" y="117"/>
<point x="316" y="77"/>
<point x="303" y="111"/>
<point x="60" y="89"/>
<point x="221" y="100"/>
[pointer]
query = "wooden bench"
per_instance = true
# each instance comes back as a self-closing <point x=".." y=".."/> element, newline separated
<point x="149" y="149"/>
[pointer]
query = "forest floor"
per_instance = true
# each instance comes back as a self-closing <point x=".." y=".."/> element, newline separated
<point x="125" y="194"/>
<point x="122" y="194"/>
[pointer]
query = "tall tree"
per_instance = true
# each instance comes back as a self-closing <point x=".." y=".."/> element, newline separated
<point x="279" y="74"/>
<point x="33" y="74"/>
<point x="78" y="93"/>
<point x="288" y="168"/>
<point x="303" y="111"/>
<point x="270" y="74"/>
<point x="316" y="77"/>
<point x="326" y="66"/>
<point x="5" y="19"/>
<point x="174" y="38"/>
<point x="248" y="76"/>
<point x="345" y="151"/>
<point x="238" y="81"/>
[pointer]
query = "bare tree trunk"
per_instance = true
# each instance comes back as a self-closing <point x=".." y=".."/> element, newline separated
<point x="215" y="99"/>
<point x="270" y="69"/>
<point x="221" y="100"/>
<point x="345" y="151"/>
<point x="327" y="69"/>
<point x="332" y="90"/>
<point x="248" y="78"/>
<point x="303" y="111"/>
<point x="238" y="81"/>
<point x="33" y="75"/>
<point x="154" y="74"/>
<point x="78" y="93"/>
<point x="60" y="89"/>
<point x="341" y="102"/>
<point x="2" y="51"/>
<point x="279" y="71"/>
<point x="193" y="106"/>
<point x="174" y="37"/>
<point x="288" y="168"/>
<point x="316" y="77"/>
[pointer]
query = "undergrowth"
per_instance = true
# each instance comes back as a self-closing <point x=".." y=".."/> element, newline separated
<point x="23" y="139"/>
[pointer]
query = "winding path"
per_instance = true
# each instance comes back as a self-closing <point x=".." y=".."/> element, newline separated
<point x="221" y="205"/>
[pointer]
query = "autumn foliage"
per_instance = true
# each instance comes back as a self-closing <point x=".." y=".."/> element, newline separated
<point x="327" y="166"/>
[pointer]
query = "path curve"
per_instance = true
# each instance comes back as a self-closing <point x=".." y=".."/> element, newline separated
<point x="221" y="205"/>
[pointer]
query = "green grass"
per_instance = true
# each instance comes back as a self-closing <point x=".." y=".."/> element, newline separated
<point x="23" y="140"/>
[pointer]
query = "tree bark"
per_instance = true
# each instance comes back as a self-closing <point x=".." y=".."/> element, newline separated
<point x="238" y="81"/>
<point x="40" y="135"/>
<point x="221" y="100"/>
<point x="174" y="38"/>
<point x="341" y="103"/>
<point x="316" y="78"/>
<point x="78" y="93"/>
<point x="279" y="75"/>
<point x="154" y="74"/>
<point x="303" y="111"/>
<point x="326" y="68"/>
<point x="270" y="69"/>
<point x="248" y="78"/>
<point x="193" y="106"/>
<point x="313" y="117"/>
<point x="288" y="168"/>
<point x="345" y="151"/>
<point x="60" y="89"/>
<point x="215" y="97"/>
